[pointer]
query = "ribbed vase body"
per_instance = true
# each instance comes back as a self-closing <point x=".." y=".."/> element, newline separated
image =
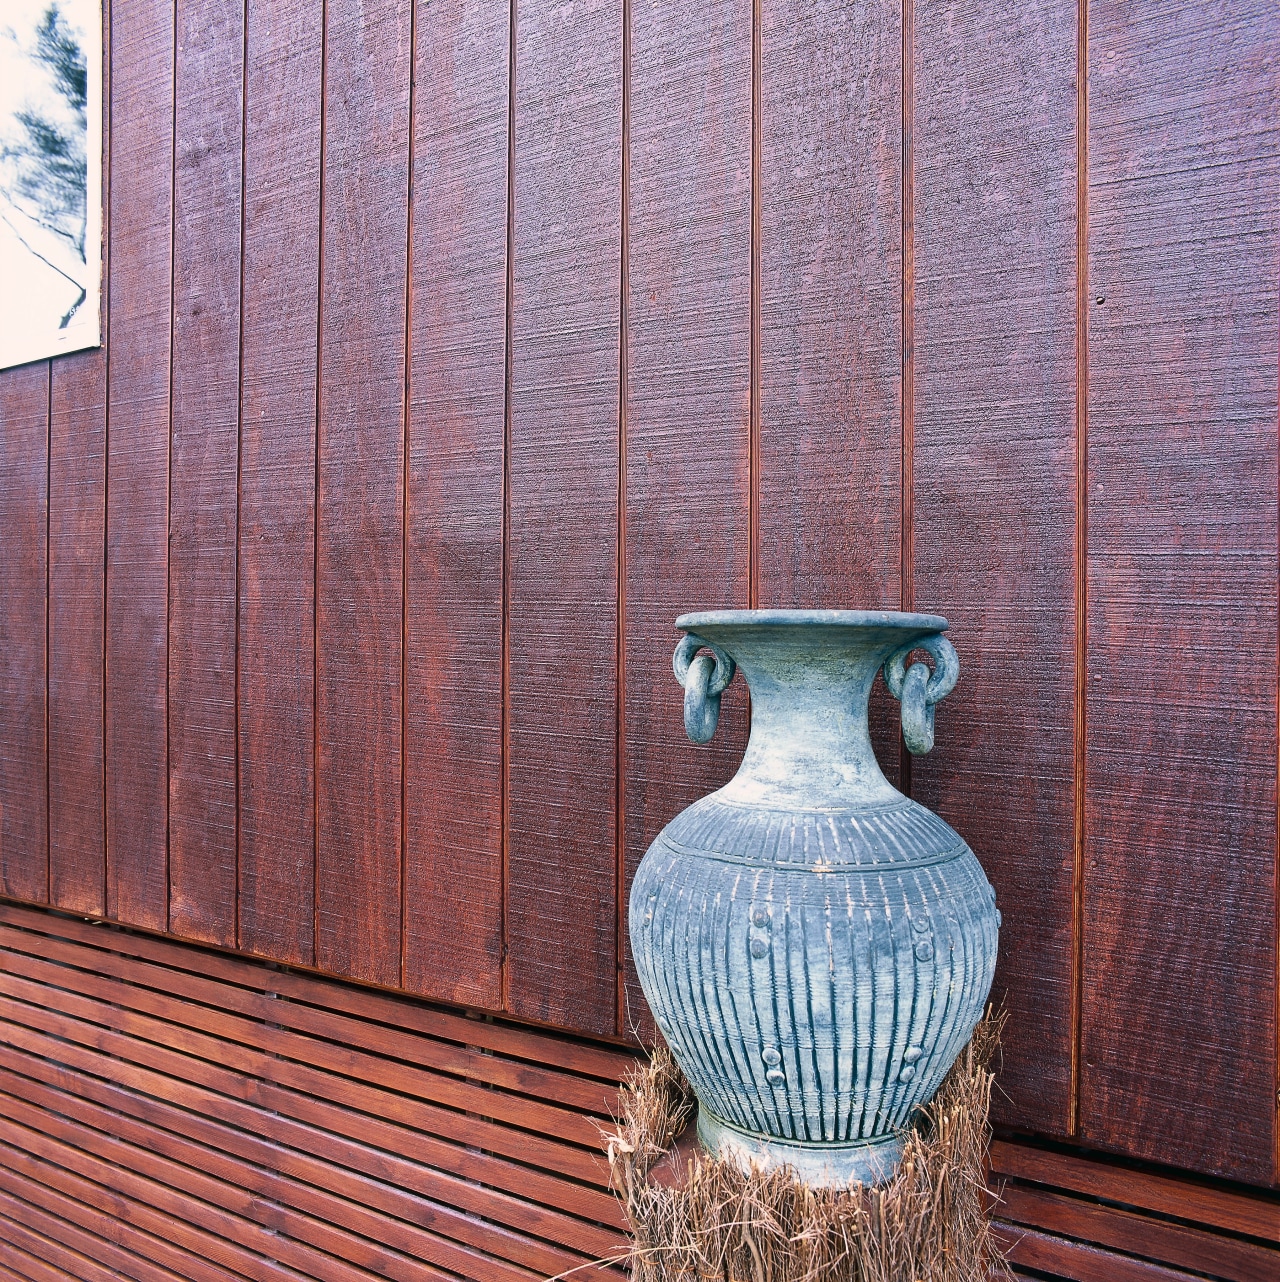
<point x="815" y="946"/>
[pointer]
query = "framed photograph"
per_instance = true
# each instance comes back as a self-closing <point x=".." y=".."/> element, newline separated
<point x="50" y="178"/>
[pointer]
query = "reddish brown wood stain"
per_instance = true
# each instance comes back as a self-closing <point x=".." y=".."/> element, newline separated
<point x="487" y="436"/>
<point x="994" y="490"/>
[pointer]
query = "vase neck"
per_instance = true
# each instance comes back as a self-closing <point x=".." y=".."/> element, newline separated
<point x="810" y="745"/>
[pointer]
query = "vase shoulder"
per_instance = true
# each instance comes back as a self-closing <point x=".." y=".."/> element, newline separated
<point x="896" y="833"/>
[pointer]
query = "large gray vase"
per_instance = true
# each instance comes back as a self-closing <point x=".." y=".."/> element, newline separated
<point x="816" y="947"/>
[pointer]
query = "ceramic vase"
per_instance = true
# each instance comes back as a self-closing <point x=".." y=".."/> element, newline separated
<point x="815" y="946"/>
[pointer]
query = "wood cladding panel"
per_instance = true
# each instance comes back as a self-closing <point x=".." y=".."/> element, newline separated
<point x="204" y="444"/>
<point x="140" y="214"/>
<point x="360" y="499"/>
<point x="830" y="383"/>
<point x="24" y="542"/>
<point x="994" y="491"/>
<point x="77" y="530"/>
<point x="562" y="644"/>
<point x="1179" y="946"/>
<point x="686" y="523"/>
<point x="284" y="49"/>
<point x="454" y="507"/>
<point x="113" y="1123"/>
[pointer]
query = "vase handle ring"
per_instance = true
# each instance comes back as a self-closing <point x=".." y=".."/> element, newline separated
<point x="918" y="689"/>
<point x="705" y="678"/>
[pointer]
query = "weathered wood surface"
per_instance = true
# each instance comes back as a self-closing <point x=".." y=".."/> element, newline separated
<point x="994" y="491"/>
<point x="368" y="623"/>
<point x="1179" y="929"/>
<point x="204" y="459"/>
<point x="453" y="891"/>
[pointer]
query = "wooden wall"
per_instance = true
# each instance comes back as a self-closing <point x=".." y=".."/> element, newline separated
<point x="453" y="352"/>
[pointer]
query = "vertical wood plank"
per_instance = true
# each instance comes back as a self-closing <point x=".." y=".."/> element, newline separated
<point x="830" y="462"/>
<point x="24" y="543"/>
<point x="276" y="562"/>
<point x="360" y="535"/>
<point x="563" y="552"/>
<point x="77" y="518"/>
<point x="994" y="480"/>
<point x="141" y="214"/>
<point x="687" y="399"/>
<point x="203" y="470"/>
<point x="1184" y="263"/>
<point x="77" y="534"/>
<point x="454" y="506"/>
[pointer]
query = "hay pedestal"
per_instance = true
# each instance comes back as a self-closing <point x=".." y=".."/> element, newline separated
<point x="697" y="1217"/>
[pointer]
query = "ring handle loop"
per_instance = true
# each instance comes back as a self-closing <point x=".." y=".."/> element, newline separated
<point x="705" y="678"/>
<point x="919" y="690"/>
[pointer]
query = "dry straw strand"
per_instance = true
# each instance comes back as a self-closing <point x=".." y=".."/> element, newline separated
<point x="929" y="1223"/>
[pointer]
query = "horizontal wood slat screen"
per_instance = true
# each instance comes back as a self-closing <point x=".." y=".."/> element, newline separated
<point x="167" y="1111"/>
<point x="1091" y="1220"/>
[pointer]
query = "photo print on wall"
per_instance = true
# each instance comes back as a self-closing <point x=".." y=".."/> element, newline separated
<point x="50" y="177"/>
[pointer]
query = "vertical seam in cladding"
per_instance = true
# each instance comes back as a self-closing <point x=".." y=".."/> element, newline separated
<point x="907" y="263"/>
<point x="48" y="507"/>
<point x="315" y="505"/>
<point x="404" y="502"/>
<point x="620" y="650"/>
<point x="504" y="789"/>
<point x="754" y="306"/>
<point x="168" y="473"/>
<point x="104" y="317"/>
<point x="235" y="712"/>
<point x="1081" y="560"/>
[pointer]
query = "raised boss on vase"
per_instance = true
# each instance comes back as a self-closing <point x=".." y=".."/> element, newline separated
<point x="816" y="947"/>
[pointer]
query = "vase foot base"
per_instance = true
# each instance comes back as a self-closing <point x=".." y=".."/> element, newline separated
<point x="821" y="1165"/>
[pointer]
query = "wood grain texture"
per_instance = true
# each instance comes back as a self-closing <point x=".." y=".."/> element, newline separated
<point x="204" y="469"/>
<point x="141" y="221"/>
<point x="1064" y="1258"/>
<point x="77" y="518"/>
<point x="24" y="543"/>
<point x="77" y="535"/>
<point x="994" y="491"/>
<point x="360" y="512"/>
<point x="1179" y="1036"/>
<point x="563" y="495"/>
<point x="276" y="562"/>
<point x="454" y="507"/>
<point x="830" y="462"/>
<point x="688" y="391"/>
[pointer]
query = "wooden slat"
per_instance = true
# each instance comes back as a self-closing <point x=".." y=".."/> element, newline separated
<point x="688" y="401"/>
<point x="276" y="640"/>
<point x="1233" y="1211"/>
<point x="204" y="469"/>
<point x="141" y="219"/>
<point x="197" y="1057"/>
<point x="24" y="541"/>
<point x="92" y="1213"/>
<point x="360" y="536"/>
<point x="247" y="1216"/>
<point x="1172" y="1244"/>
<point x="279" y="1146"/>
<point x="236" y="1034"/>
<point x="333" y="1132"/>
<point x="1077" y="1261"/>
<point x="33" y="1257"/>
<point x="566" y="1055"/>
<point x="561" y="928"/>
<point x="830" y="453"/>
<point x="994" y="469"/>
<point x="77" y="532"/>
<point x="70" y="1249"/>
<point x="1179" y="1034"/>
<point x="453" y="717"/>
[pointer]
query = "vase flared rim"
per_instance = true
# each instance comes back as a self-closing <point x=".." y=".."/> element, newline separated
<point x="812" y="618"/>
